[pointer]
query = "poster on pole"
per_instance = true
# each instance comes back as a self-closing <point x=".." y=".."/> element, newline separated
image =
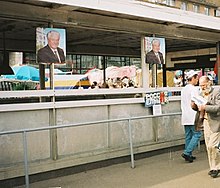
<point x="155" y="50"/>
<point x="50" y="45"/>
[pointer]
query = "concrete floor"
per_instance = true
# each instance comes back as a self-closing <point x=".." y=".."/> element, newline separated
<point x="167" y="170"/>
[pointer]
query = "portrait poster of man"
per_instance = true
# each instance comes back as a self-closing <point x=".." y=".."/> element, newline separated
<point x="50" y="45"/>
<point x="155" y="50"/>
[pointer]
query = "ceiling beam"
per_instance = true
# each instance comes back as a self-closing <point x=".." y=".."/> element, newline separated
<point x="104" y="50"/>
<point x="102" y="22"/>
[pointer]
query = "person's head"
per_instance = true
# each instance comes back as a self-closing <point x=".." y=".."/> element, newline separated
<point x="53" y="38"/>
<point x="211" y="80"/>
<point x="156" y="45"/>
<point x="179" y="74"/>
<point x="192" y="77"/>
<point x="205" y="84"/>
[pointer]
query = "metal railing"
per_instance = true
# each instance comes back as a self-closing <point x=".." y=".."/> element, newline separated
<point x="24" y="133"/>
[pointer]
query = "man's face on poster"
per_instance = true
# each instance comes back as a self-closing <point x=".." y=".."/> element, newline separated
<point x="53" y="40"/>
<point x="156" y="46"/>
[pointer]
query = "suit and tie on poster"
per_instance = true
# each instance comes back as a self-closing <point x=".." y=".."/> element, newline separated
<point x="155" y="50"/>
<point x="50" y="50"/>
<point x="51" y="45"/>
<point x="155" y="56"/>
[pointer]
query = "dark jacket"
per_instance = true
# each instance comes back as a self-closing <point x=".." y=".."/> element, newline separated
<point x="46" y="55"/>
<point x="151" y="58"/>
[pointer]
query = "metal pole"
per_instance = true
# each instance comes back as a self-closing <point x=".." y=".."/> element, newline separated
<point x="154" y="75"/>
<point x="25" y="159"/>
<point x="42" y="76"/>
<point x="52" y="76"/>
<point x="155" y="129"/>
<point x="131" y="143"/>
<point x="51" y="68"/>
<point x="104" y="68"/>
<point x="108" y="129"/>
<point x="53" y="132"/>
<point x="164" y="75"/>
<point x="218" y="61"/>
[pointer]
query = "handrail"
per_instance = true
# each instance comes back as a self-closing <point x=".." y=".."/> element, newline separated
<point x="84" y="123"/>
<point x="25" y="131"/>
<point x="81" y="92"/>
<point x="26" y="93"/>
<point x="42" y="104"/>
<point x="26" y="106"/>
<point x="66" y="104"/>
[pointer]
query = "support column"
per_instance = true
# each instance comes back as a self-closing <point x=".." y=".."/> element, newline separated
<point x="104" y="69"/>
<point x="52" y="76"/>
<point x="218" y="61"/>
<point x="53" y="132"/>
<point x="4" y="66"/>
<point x="154" y="75"/>
<point x="144" y="65"/>
<point x="164" y="75"/>
<point x="42" y="76"/>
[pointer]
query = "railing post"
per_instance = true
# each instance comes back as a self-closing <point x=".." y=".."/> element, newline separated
<point x="155" y="128"/>
<point x="131" y="143"/>
<point x="108" y="141"/>
<point x="25" y="159"/>
<point x="53" y="132"/>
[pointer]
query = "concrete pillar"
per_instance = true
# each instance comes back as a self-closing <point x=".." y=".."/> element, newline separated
<point x="144" y="66"/>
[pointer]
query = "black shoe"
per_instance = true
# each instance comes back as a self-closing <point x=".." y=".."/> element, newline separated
<point x="215" y="173"/>
<point x="187" y="158"/>
<point x="193" y="157"/>
<point x="210" y="172"/>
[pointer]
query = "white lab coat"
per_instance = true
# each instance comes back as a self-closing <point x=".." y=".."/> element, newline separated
<point x="188" y="114"/>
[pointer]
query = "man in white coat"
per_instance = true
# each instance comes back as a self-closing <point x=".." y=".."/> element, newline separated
<point x="192" y="136"/>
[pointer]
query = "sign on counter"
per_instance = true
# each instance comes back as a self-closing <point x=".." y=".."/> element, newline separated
<point x="156" y="98"/>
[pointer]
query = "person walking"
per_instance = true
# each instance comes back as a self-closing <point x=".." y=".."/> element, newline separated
<point x="192" y="136"/>
<point x="211" y="123"/>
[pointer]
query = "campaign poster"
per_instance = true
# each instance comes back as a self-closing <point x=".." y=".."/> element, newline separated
<point x="50" y="45"/>
<point x="155" y="50"/>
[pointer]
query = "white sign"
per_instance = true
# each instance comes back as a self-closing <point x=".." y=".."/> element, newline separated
<point x="157" y="109"/>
